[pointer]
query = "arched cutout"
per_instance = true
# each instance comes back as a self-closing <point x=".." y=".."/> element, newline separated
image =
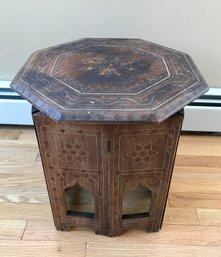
<point x="136" y="202"/>
<point x="79" y="202"/>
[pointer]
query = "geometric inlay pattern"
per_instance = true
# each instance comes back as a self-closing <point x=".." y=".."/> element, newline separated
<point x="109" y="79"/>
<point x="142" y="153"/>
<point x="74" y="152"/>
<point x="100" y="66"/>
<point x="108" y="160"/>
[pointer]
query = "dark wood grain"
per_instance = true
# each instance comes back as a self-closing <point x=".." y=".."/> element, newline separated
<point x="108" y="160"/>
<point x="109" y="80"/>
<point x="109" y="96"/>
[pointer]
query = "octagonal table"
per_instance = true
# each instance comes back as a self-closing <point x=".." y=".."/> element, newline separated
<point x="108" y="114"/>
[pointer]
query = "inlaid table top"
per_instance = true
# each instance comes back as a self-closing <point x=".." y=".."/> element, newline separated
<point x="109" y="80"/>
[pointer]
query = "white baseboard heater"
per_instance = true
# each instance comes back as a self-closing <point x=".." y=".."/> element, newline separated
<point x="204" y="114"/>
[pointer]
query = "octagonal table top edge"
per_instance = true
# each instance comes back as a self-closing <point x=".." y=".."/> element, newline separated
<point x="124" y="107"/>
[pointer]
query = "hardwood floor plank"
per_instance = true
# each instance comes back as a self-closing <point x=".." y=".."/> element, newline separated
<point x="195" y="185"/>
<point x="110" y="249"/>
<point x="198" y="161"/>
<point x="24" y="197"/>
<point x="195" y="200"/>
<point x="28" y="136"/>
<point x="209" y="216"/>
<point x="200" y="137"/>
<point x="38" y="158"/>
<point x="17" y="153"/>
<point x="41" y="249"/>
<point x="29" y="168"/>
<point x="185" y="216"/>
<point x="196" y="173"/>
<point x="175" y="234"/>
<point x="25" y="211"/>
<point x="9" y="134"/>
<point x="199" y="148"/>
<point x="17" y="168"/>
<point x="45" y="230"/>
<point x="12" y="229"/>
<point x="169" y="234"/>
<point x="23" y="183"/>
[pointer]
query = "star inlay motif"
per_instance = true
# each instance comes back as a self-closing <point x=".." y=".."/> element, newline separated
<point x="74" y="152"/>
<point x="142" y="153"/>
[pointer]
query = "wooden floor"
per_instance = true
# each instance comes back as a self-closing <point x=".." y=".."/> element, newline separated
<point x="192" y="223"/>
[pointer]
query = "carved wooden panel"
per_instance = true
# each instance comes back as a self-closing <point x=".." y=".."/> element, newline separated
<point x="72" y="154"/>
<point x="140" y="150"/>
<point x="72" y="148"/>
<point x="142" y="154"/>
<point x="107" y="160"/>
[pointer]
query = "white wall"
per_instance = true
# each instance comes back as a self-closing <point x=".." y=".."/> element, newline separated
<point x="192" y="26"/>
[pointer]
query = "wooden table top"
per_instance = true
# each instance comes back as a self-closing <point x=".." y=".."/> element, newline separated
<point x="109" y="80"/>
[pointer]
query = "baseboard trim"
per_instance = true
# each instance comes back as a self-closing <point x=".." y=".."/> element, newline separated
<point x="15" y="112"/>
<point x="202" y="119"/>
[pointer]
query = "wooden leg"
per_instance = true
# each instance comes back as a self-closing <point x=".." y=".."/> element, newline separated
<point x="64" y="227"/>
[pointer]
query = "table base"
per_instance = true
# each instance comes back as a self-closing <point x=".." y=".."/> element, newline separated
<point x="93" y="170"/>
